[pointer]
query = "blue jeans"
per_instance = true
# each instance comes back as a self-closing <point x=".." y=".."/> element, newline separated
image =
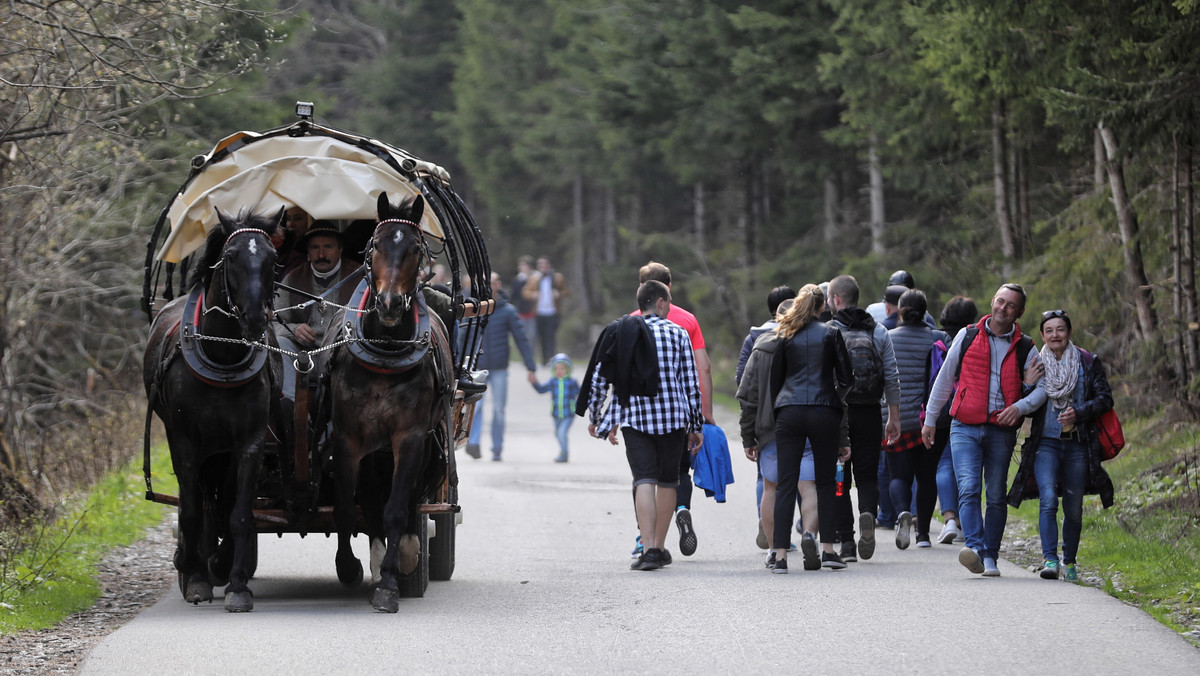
<point x="561" y="427"/>
<point x="982" y="454"/>
<point x="497" y="392"/>
<point x="1061" y="469"/>
<point x="947" y="485"/>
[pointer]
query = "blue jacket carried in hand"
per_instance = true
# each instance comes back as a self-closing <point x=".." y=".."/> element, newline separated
<point x="712" y="469"/>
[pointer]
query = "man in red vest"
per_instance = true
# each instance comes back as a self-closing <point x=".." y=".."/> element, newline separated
<point x="989" y="370"/>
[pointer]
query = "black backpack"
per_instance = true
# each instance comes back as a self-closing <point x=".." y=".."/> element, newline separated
<point x="867" y="366"/>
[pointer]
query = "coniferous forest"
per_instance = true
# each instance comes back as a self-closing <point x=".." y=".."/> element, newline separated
<point x="744" y="144"/>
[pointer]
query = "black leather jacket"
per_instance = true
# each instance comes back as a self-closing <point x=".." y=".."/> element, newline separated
<point x="1097" y="399"/>
<point x="812" y="368"/>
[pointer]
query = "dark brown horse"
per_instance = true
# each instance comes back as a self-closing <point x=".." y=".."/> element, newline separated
<point x="389" y="389"/>
<point x="215" y="393"/>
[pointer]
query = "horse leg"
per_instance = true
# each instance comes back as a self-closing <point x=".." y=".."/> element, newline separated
<point x="395" y="522"/>
<point x="193" y="571"/>
<point x="349" y="568"/>
<point x="242" y="529"/>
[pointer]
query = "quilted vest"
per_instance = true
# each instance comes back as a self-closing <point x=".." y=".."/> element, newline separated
<point x="970" y="405"/>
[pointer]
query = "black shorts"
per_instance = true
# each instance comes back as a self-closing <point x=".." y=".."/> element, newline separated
<point x="654" y="458"/>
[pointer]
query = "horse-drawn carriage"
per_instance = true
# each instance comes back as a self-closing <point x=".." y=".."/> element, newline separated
<point x="365" y="446"/>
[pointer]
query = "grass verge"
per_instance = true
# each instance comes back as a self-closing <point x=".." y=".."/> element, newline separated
<point x="48" y="572"/>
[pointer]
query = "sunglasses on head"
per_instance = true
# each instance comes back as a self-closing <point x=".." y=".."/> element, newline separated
<point x="1050" y="314"/>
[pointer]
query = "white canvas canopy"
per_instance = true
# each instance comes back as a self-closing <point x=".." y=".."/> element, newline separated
<point x="327" y="176"/>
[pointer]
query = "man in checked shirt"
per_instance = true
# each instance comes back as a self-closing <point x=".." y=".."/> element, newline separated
<point x="656" y="429"/>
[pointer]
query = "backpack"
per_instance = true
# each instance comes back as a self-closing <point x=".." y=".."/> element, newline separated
<point x="866" y="365"/>
<point x="933" y="365"/>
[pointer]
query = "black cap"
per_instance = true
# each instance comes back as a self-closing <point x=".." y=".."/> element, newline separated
<point x="892" y="294"/>
<point x="903" y="278"/>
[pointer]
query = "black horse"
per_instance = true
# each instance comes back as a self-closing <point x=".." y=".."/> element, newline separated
<point x="390" y="388"/>
<point x="215" y="393"/>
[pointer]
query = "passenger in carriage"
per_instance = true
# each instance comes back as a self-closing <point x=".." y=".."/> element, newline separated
<point x="303" y="327"/>
<point x="291" y="249"/>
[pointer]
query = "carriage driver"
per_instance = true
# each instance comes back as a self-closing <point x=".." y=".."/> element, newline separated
<point x="304" y="328"/>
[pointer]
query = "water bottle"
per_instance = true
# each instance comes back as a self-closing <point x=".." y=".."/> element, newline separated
<point x="841" y="475"/>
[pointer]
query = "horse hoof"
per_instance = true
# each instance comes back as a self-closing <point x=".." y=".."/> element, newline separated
<point x="410" y="553"/>
<point x="349" y="571"/>
<point x="385" y="600"/>
<point x="197" y="591"/>
<point x="239" y="602"/>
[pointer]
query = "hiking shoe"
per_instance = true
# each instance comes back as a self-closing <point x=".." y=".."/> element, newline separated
<point x="849" y="553"/>
<point x="473" y="451"/>
<point x="1049" y="570"/>
<point x="1071" y="573"/>
<point x="808" y="546"/>
<point x="664" y="558"/>
<point x="687" y="535"/>
<point x="990" y="569"/>
<point x="780" y="567"/>
<point x="950" y="532"/>
<point x="637" y="549"/>
<point x="866" y="535"/>
<point x="761" y="540"/>
<point x="770" y="563"/>
<point x="923" y="541"/>
<point x="832" y="561"/>
<point x="971" y="559"/>
<point x="649" y="560"/>
<point x="904" y="530"/>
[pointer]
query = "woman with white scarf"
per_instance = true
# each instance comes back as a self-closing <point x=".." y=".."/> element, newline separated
<point x="1060" y="457"/>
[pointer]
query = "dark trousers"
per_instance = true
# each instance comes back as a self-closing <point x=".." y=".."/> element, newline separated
<point x="862" y="469"/>
<point x="547" y="329"/>
<point x="795" y="425"/>
<point x="921" y="463"/>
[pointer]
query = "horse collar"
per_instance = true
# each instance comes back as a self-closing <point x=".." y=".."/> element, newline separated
<point x="377" y="357"/>
<point x="203" y="368"/>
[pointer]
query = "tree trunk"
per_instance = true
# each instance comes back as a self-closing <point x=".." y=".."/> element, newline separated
<point x="1188" y="257"/>
<point x="610" y="226"/>
<point x="1099" y="181"/>
<point x="1127" y="222"/>
<point x="1180" y="333"/>
<point x="877" y="214"/>
<point x="999" y="176"/>
<point x="583" y="267"/>
<point x="1024" y="211"/>
<point x="829" y="232"/>
<point x="698" y="218"/>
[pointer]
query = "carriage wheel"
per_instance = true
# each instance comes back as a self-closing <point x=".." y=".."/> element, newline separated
<point x="413" y="585"/>
<point x="441" y="547"/>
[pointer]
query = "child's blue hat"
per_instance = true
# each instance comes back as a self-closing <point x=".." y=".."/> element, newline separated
<point x="561" y="358"/>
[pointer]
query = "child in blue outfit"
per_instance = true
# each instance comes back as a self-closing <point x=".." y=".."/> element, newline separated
<point x="563" y="391"/>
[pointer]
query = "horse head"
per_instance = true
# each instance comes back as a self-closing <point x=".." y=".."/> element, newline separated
<point x="395" y="257"/>
<point x="238" y="271"/>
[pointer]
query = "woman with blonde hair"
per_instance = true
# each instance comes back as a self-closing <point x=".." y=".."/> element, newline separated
<point x="809" y="370"/>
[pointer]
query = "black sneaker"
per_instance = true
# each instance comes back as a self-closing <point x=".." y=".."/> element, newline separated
<point x="866" y="535"/>
<point x="687" y="534"/>
<point x="651" y="559"/>
<point x="664" y="558"/>
<point x="848" y="554"/>
<point x="780" y="567"/>
<point x="832" y="561"/>
<point x="808" y="546"/>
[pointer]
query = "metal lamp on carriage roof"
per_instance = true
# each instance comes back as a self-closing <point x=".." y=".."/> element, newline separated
<point x="304" y="110"/>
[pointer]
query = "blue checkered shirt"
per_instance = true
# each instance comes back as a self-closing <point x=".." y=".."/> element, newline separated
<point x="677" y="405"/>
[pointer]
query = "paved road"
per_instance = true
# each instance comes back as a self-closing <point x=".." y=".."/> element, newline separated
<point x="543" y="585"/>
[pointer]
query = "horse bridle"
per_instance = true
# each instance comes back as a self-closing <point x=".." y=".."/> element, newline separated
<point x="234" y="311"/>
<point x="407" y="300"/>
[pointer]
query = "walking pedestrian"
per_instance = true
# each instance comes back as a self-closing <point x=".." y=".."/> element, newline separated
<point x="1061" y="452"/>
<point x="986" y="371"/>
<point x="546" y="289"/>
<point x="957" y="313"/>
<point x="657" y="428"/>
<point x="564" y="390"/>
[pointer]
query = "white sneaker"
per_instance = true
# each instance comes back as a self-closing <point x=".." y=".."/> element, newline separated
<point x="950" y="532"/>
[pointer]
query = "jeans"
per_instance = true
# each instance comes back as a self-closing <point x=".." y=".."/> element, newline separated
<point x="947" y="485"/>
<point x="862" y="469"/>
<point x="497" y="391"/>
<point x="547" y="327"/>
<point x="793" y="426"/>
<point x="982" y="454"/>
<point x="887" y="512"/>
<point x="917" y="466"/>
<point x="561" y="427"/>
<point x="1061" y="470"/>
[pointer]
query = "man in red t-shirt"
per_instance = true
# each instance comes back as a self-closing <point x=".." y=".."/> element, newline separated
<point x="677" y="315"/>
